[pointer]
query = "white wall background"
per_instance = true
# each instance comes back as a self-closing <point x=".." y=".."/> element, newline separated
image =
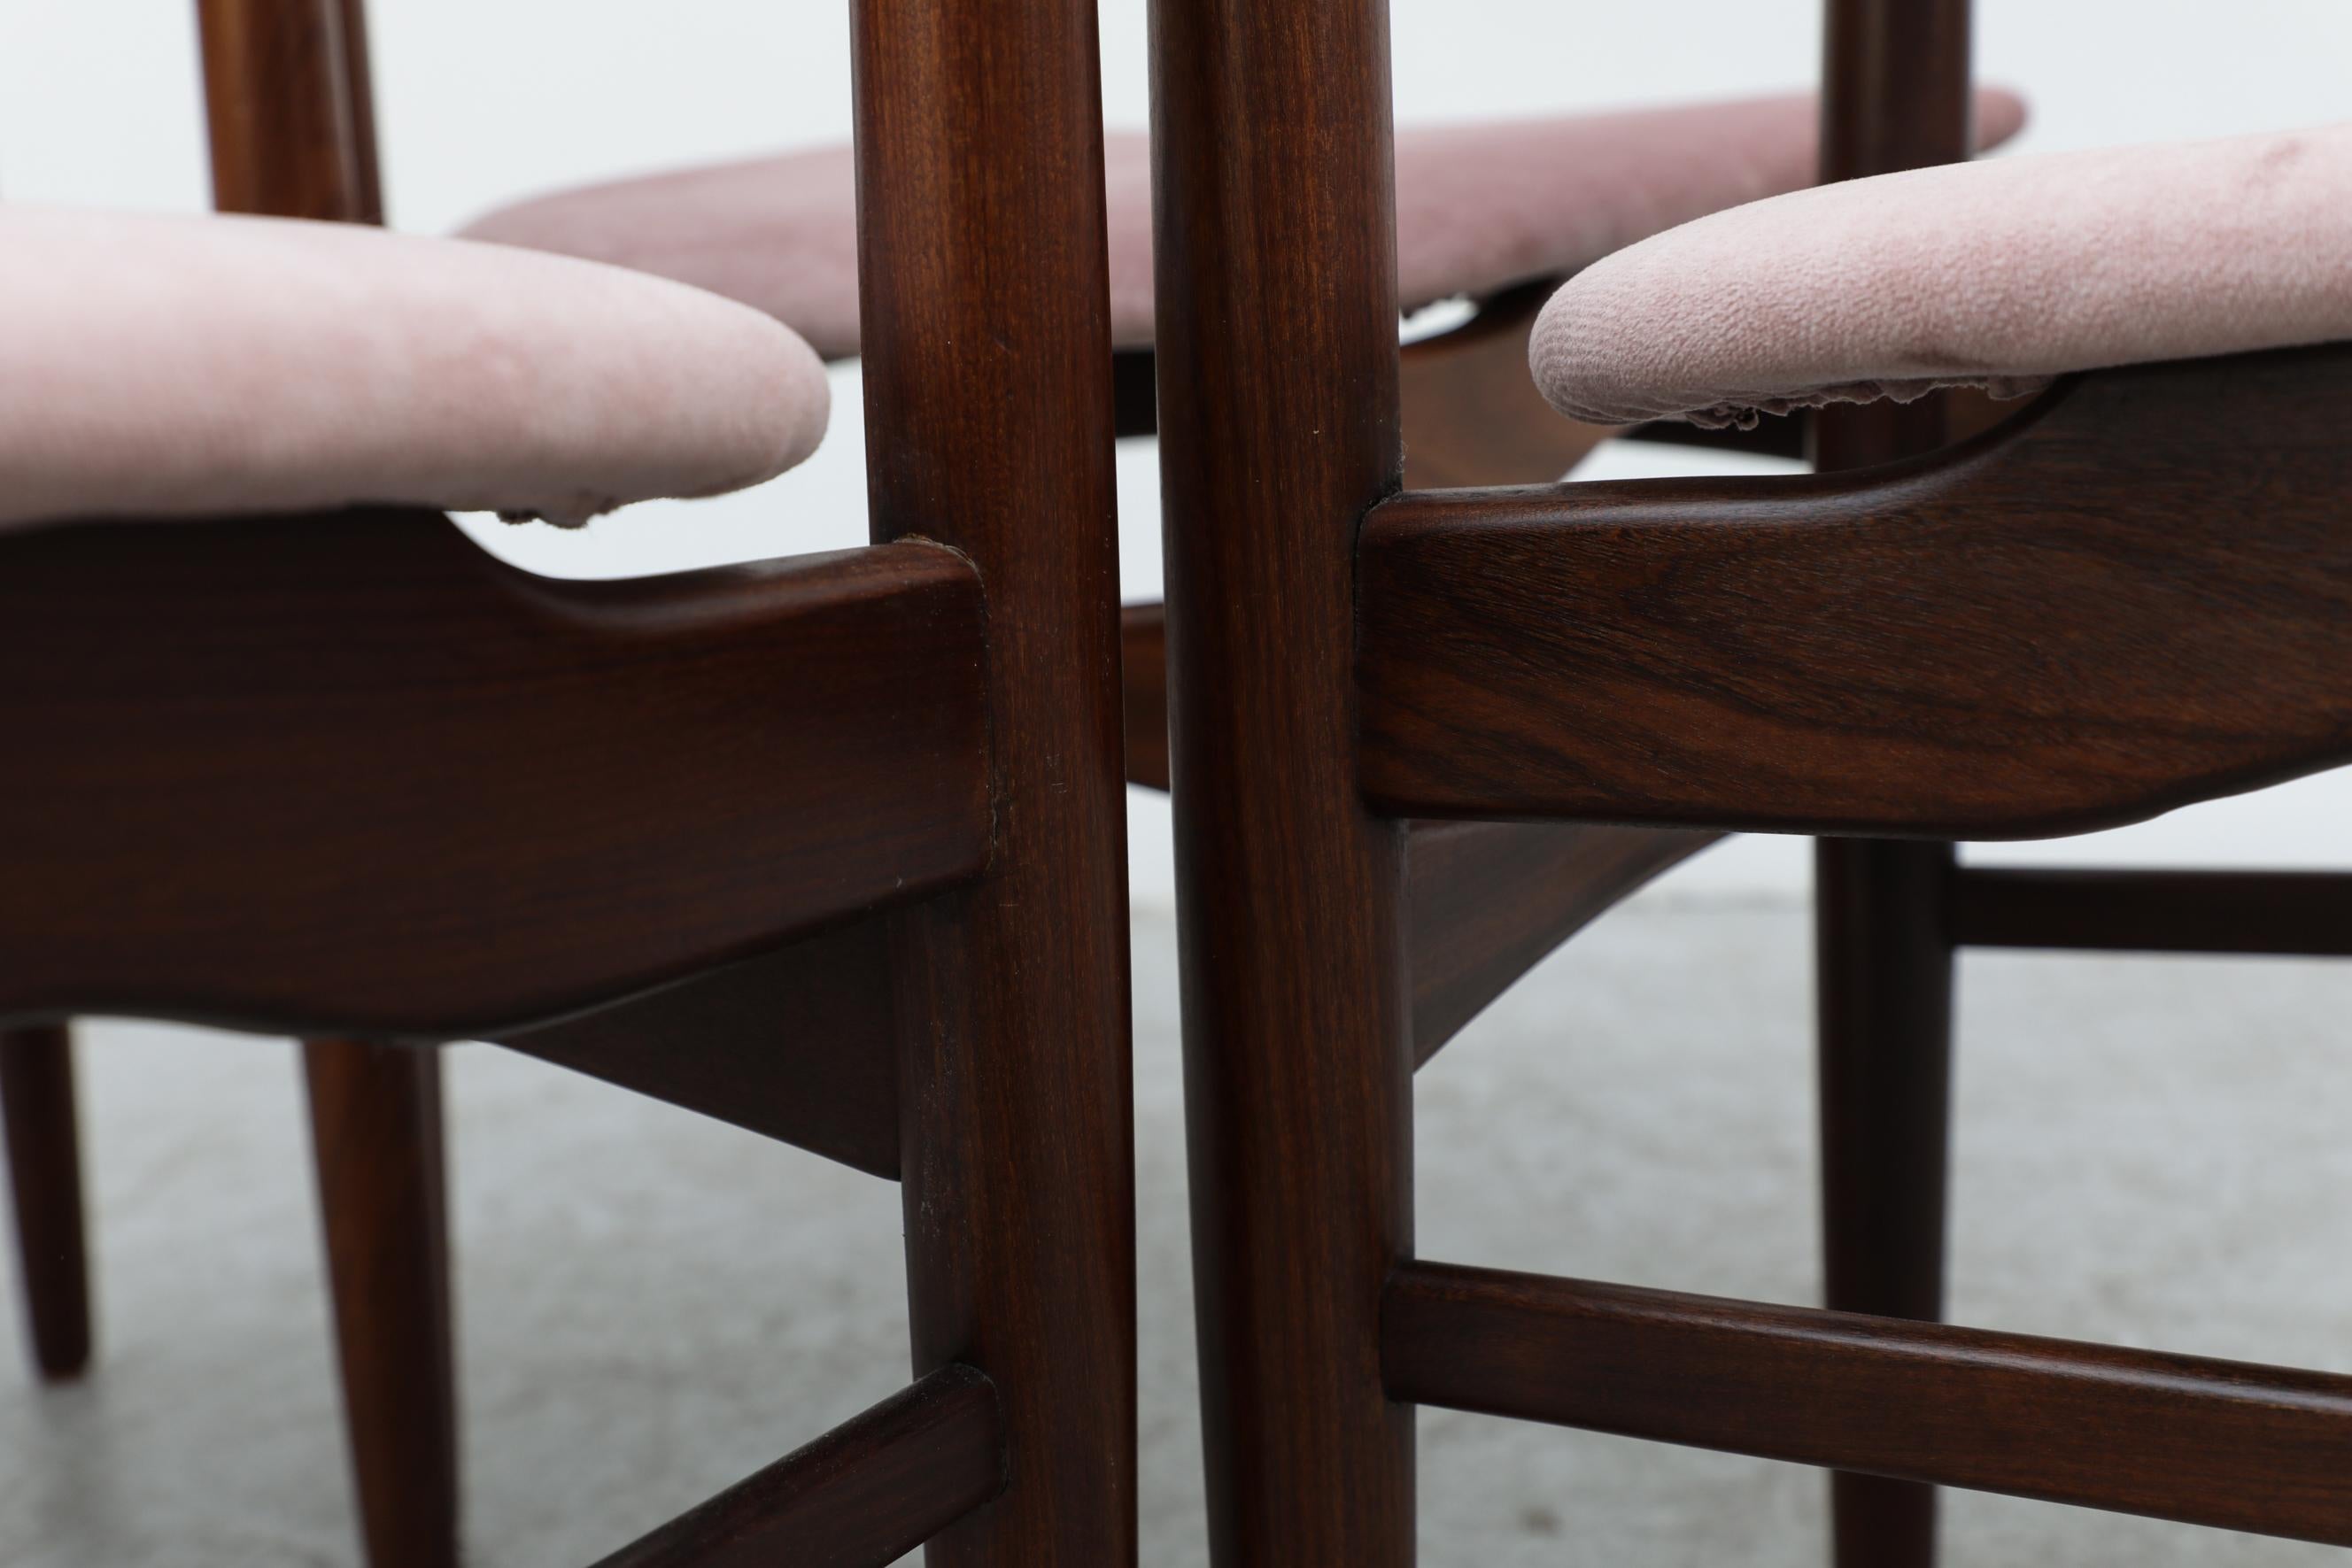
<point x="484" y="99"/>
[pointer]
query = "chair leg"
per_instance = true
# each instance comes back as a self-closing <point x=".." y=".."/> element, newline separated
<point x="375" y="1125"/>
<point x="36" y="1088"/>
<point x="1885" y="1017"/>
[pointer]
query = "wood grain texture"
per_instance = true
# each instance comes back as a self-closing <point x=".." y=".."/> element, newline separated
<point x="444" y="793"/>
<point x="376" y="1132"/>
<point x="799" y="1044"/>
<point x="872" y="1488"/>
<point x="990" y="421"/>
<point x="1278" y="413"/>
<point x="2306" y="914"/>
<point x="2183" y="1437"/>
<point x="2136" y="595"/>
<point x="1485" y="902"/>
<point x="44" y="1142"/>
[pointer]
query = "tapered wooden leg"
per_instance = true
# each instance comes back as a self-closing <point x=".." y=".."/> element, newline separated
<point x="376" y="1122"/>
<point x="1886" y="999"/>
<point x="36" y="1087"/>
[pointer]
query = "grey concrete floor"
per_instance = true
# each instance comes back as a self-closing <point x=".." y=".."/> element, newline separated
<point x="2150" y="1151"/>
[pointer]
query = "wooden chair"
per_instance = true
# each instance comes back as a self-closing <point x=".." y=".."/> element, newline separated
<point x="830" y="848"/>
<point x="289" y="143"/>
<point x="1347" y="660"/>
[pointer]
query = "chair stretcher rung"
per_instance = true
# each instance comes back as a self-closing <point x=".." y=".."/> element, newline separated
<point x="2309" y="913"/>
<point x="872" y="1489"/>
<point x="2208" y="1442"/>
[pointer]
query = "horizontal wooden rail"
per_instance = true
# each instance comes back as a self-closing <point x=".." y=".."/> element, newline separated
<point x="797" y="1044"/>
<point x="874" y="1488"/>
<point x="2205" y="1442"/>
<point x="2273" y="911"/>
<point x="349" y="774"/>
<point x="2133" y="595"/>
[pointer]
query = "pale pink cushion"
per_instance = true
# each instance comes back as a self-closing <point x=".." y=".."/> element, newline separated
<point x="190" y="366"/>
<point x="1998" y="275"/>
<point x="1480" y="208"/>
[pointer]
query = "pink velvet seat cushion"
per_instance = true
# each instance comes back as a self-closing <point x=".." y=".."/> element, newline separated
<point x="1998" y="275"/>
<point x="192" y="366"/>
<point x="1480" y="208"/>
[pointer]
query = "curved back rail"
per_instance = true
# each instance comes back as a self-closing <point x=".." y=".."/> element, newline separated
<point x="2136" y="594"/>
<point x="349" y="772"/>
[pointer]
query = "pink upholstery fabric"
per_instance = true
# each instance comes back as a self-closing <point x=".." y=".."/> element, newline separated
<point x="1996" y="275"/>
<point x="187" y="366"/>
<point x="1478" y="207"/>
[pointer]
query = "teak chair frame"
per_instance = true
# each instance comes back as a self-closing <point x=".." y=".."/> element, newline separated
<point x="831" y="848"/>
<point x="293" y="129"/>
<point x="1851" y="654"/>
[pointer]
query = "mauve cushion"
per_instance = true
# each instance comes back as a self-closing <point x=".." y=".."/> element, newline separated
<point x="1480" y="208"/>
<point x="157" y="366"/>
<point x="1998" y="275"/>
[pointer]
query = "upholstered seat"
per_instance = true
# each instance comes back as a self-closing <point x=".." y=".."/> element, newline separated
<point x="1998" y="275"/>
<point x="1480" y="208"/>
<point x="192" y="366"/>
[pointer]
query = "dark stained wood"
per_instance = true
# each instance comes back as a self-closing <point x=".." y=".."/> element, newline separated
<point x="1895" y="89"/>
<point x="37" y="1098"/>
<point x="1143" y="666"/>
<point x="1278" y="413"/>
<point x="989" y="420"/>
<point x="284" y="111"/>
<point x="798" y="1044"/>
<point x="1472" y="413"/>
<point x="1884" y="983"/>
<point x="2174" y="1437"/>
<point x="375" y="1124"/>
<point x="1896" y="94"/>
<point x="874" y="1486"/>
<point x="2307" y="914"/>
<point x="1135" y="392"/>
<point x="2112" y="606"/>
<point x="512" y="771"/>
<point x="457" y="800"/>
<point x="1485" y="902"/>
